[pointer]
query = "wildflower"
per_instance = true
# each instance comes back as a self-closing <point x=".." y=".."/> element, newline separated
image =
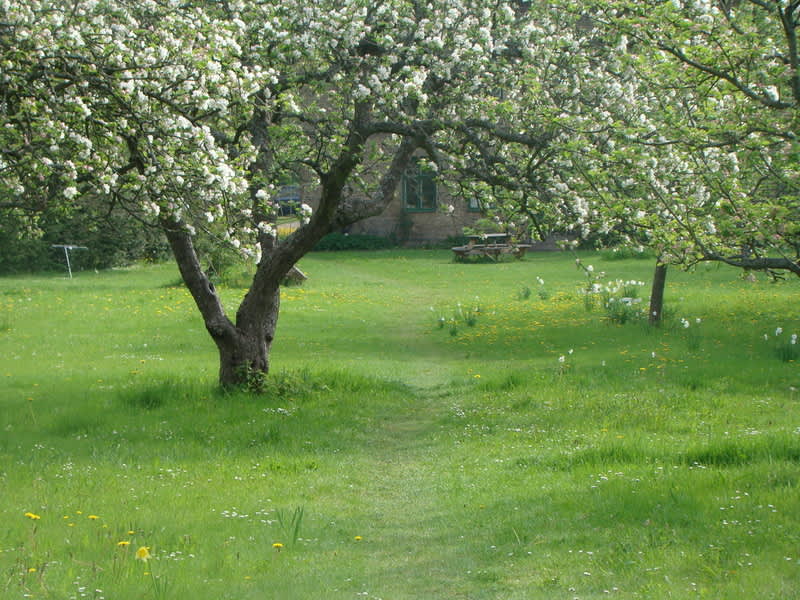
<point x="793" y="341"/>
<point x="358" y="538"/>
<point x="779" y="331"/>
<point x="143" y="554"/>
<point x="32" y="570"/>
<point x="123" y="543"/>
<point x="93" y="517"/>
<point x="278" y="546"/>
<point x="32" y="516"/>
<point x="562" y="358"/>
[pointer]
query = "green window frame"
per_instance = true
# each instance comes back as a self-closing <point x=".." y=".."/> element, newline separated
<point x="419" y="189"/>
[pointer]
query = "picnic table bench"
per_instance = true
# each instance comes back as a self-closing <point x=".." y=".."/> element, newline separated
<point x="493" y="245"/>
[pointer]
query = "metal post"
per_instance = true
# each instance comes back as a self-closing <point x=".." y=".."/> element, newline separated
<point x="67" y="248"/>
<point x="69" y="267"/>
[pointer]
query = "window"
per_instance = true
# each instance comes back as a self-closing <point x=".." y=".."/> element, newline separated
<point x="474" y="205"/>
<point x="419" y="189"/>
<point x="288" y="199"/>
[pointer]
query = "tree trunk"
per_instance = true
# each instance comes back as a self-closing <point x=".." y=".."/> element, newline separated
<point x="657" y="293"/>
<point x="244" y="357"/>
<point x="243" y="346"/>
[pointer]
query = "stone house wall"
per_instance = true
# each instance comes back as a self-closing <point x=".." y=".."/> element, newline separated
<point x="419" y="228"/>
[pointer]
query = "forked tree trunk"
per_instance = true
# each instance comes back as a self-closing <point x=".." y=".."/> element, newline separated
<point x="243" y="346"/>
<point x="244" y="356"/>
<point x="657" y="293"/>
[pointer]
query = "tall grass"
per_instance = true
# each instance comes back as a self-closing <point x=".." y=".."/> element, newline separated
<point x="386" y="457"/>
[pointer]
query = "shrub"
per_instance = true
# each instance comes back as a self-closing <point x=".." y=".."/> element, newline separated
<point x="110" y="240"/>
<point x="342" y="241"/>
<point x="484" y="226"/>
<point x="454" y="240"/>
<point x="624" y="253"/>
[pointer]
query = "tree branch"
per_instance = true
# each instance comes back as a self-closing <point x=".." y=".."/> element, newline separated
<point x="726" y="76"/>
<point x="201" y="288"/>
<point x="756" y="263"/>
<point x="354" y="209"/>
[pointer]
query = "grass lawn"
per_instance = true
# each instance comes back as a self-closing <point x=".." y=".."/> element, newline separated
<point x="431" y="430"/>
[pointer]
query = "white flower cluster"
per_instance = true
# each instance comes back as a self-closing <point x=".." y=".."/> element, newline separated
<point x="267" y="229"/>
<point x="305" y="213"/>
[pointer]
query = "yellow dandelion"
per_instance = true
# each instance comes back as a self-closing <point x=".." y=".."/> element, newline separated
<point x="93" y="517"/>
<point x="124" y="543"/>
<point x="143" y="553"/>
<point x="131" y="532"/>
<point x="32" y="570"/>
<point x="32" y="516"/>
<point x="278" y="546"/>
<point x="358" y="538"/>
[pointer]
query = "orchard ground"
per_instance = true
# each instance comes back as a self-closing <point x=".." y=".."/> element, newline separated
<point x="430" y="430"/>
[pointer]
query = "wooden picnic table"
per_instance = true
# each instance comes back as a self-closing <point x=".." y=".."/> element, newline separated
<point x="493" y="245"/>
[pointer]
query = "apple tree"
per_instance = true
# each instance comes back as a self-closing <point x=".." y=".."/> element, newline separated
<point x="189" y="114"/>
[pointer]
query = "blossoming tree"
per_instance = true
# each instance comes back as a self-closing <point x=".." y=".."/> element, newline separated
<point x="672" y="126"/>
<point x="188" y="114"/>
<point x="705" y="164"/>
